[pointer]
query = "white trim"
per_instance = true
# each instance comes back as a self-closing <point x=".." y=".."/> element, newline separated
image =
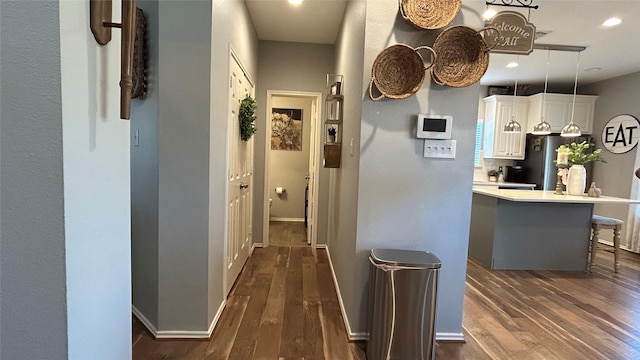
<point x="352" y="335"/>
<point x="256" y="245"/>
<point x="457" y="337"/>
<point x="286" y="219"/>
<point x="143" y="319"/>
<point x="179" y="334"/>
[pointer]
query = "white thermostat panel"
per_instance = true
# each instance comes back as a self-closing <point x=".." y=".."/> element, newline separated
<point x="434" y="126"/>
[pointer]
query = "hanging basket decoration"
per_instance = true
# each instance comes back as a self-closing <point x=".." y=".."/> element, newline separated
<point x="399" y="71"/>
<point x="463" y="56"/>
<point x="429" y="14"/>
<point x="247" y="118"/>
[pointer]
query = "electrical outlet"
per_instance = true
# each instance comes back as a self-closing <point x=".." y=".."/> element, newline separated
<point x="443" y="149"/>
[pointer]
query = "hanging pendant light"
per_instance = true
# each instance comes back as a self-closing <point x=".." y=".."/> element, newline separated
<point x="543" y="127"/>
<point x="512" y="126"/>
<point x="571" y="129"/>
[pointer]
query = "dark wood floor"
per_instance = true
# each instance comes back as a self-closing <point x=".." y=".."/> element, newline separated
<point x="284" y="306"/>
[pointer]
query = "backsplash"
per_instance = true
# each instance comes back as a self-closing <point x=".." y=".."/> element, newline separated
<point x="480" y="173"/>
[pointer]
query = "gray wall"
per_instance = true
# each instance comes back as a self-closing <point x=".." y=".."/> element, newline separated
<point x="404" y="200"/>
<point x="144" y="180"/>
<point x="63" y="258"/>
<point x="343" y="194"/>
<point x="32" y="262"/>
<point x="288" y="168"/>
<point x="290" y="67"/>
<point x="615" y="177"/>
<point x="178" y="171"/>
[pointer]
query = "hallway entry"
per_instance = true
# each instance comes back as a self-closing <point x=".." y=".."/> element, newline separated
<point x="291" y="158"/>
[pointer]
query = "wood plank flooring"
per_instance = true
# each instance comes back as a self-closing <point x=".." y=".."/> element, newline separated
<point x="284" y="306"/>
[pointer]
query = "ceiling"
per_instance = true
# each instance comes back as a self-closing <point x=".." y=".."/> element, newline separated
<point x="616" y="51"/>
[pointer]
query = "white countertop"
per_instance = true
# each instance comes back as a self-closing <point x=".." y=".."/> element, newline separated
<point x="503" y="184"/>
<point x="549" y="196"/>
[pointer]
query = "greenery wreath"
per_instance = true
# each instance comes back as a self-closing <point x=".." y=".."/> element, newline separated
<point x="247" y="117"/>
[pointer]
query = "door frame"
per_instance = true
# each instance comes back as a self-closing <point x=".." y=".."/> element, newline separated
<point x="317" y="124"/>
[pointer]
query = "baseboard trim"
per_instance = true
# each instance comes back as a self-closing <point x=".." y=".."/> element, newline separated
<point x="179" y="334"/>
<point x="143" y="319"/>
<point x="286" y="219"/>
<point x="256" y="245"/>
<point x="452" y="337"/>
<point x="353" y="336"/>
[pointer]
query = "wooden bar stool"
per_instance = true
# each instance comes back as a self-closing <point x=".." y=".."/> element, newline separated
<point x="601" y="222"/>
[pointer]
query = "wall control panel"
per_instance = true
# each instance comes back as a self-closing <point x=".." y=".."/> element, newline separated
<point x="444" y="149"/>
<point x="434" y="126"/>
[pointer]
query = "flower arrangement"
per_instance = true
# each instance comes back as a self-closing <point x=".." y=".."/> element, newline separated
<point x="332" y="131"/>
<point x="577" y="153"/>
<point x="494" y="173"/>
<point x="247" y="117"/>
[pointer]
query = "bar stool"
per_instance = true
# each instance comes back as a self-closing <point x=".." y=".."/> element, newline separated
<point x="601" y="222"/>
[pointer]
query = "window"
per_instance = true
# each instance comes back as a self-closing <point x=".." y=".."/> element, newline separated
<point x="477" y="156"/>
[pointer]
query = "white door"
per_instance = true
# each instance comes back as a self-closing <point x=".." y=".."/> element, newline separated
<point x="312" y="177"/>
<point x="240" y="179"/>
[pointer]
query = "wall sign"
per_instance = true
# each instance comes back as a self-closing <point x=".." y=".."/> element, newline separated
<point x="620" y="134"/>
<point x="515" y="34"/>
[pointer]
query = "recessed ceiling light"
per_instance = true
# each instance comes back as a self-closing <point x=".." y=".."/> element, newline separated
<point x="295" y="2"/>
<point x="593" y="69"/>
<point x="612" y="22"/>
<point x="489" y="14"/>
<point x="512" y="65"/>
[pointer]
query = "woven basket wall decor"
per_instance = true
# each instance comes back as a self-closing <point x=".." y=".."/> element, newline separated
<point x="463" y="56"/>
<point x="429" y="14"/>
<point x="399" y="71"/>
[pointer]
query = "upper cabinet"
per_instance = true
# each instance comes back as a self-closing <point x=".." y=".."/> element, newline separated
<point x="498" y="111"/>
<point x="557" y="111"/>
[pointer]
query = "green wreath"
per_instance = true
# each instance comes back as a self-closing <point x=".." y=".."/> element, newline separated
<point x="247" y="118"/>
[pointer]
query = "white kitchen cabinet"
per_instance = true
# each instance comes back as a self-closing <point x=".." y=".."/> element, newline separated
<point x="557" y="111"/>
<point x="498" y="111"/>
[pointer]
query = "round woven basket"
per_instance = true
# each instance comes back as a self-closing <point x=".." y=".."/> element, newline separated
<point x="463" y="57"/>
<point x="399" y="71"/>
<point x="429" y="14"/>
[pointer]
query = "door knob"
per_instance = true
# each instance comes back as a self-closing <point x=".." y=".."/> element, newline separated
<point x="244" y="186"/>
<point x="307" y="177"/>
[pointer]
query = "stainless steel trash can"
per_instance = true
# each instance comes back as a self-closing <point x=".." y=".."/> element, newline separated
<point x="402" y="304"/>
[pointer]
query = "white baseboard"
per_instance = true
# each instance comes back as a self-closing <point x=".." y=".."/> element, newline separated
<point x="143" y="319"/>
<point x="179" y="334"/>
<point x="256" y="245"/>
<point x="286" y="219"/>
<point x="352" y="335"/>
<point x="457" y="337"/>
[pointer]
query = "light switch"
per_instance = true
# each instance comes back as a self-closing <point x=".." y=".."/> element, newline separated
<point x="444" y="149"/>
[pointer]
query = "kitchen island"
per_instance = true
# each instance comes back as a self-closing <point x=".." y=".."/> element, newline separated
<point x="532" y="230"/>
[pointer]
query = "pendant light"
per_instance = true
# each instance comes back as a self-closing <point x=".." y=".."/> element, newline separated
<point x="571" y="129"/>
<point x="513" y="126"/>
<point x="543" y="127"/>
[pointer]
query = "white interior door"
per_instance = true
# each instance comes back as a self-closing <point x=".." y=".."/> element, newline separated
<point x="312" y="177"/>
<point x="240" y="179"/>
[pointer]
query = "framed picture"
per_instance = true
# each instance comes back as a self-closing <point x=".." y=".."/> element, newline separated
<point x="286" y="129"/>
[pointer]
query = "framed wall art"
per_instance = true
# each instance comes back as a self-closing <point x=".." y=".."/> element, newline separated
<point x="286" y="129"/>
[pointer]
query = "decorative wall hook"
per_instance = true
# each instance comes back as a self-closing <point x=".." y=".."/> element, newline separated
<point x="100" y="23"/>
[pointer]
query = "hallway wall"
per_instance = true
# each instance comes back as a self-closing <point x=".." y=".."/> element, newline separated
<point x="288" y="67"/>
<point x="403" y="200"/>
<point x="65" y="188"/>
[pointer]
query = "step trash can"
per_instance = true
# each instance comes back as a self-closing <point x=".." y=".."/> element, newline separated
<point x="403" y="285"/>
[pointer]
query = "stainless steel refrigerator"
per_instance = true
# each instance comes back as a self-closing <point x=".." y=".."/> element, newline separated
<point x="539" y="156"/>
